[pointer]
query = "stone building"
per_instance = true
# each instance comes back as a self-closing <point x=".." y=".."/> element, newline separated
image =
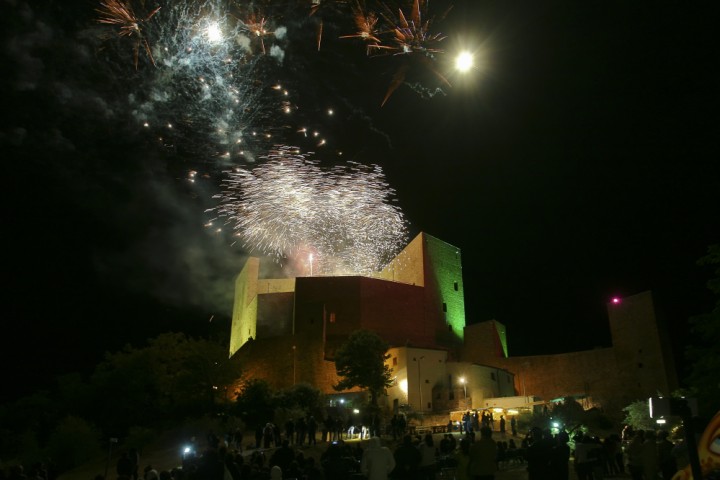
<point x="286" y="330"/>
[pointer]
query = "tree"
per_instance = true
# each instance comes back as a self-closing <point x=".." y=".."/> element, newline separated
<point x="637" y="415"/>
<point x="360" y="362"/>
<point x="255" y="405"/>
<point x="173" y="375"/>
<point x="703" y="352"/>
<point x="302" y="396"/>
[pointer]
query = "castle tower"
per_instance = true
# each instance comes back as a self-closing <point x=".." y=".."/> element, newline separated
<point x="643" y="356"/>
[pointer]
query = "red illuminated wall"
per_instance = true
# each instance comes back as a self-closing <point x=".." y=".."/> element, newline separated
<point x="337" y="306"/>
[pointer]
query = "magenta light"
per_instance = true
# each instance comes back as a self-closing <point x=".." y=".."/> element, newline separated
<point x="615" y="300"/>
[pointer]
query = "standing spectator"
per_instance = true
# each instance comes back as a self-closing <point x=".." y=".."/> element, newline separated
<point x="666" y="461"/>
<point x="538" y="454"/>
<point x="324" y="429"/>
<point x="402" y="425"/>
<point x="300" y="430"/>
<point x="123" y="467"/>
<point x="150" y="473"/>
<point x="283" y="456"/>
<point x="336" y="463"/>
<point x="483" y="456"/>
<point x="394" y="427"/>
<point x="277" y="435"/>
<point x="210" y="466"/>
<point x="377" y="461"/>
<point x="268" y="434"/>
<point x="560" y="458"/>
<point x="513" y="426"/>
<point x="428" y="462"/>
<point x="611" y="446"/>
<point x="407" y="460"/>
<point x="650" y="455"/>
<point x="135" y="460"/>
<point x="462" y="460"/>
<point x="634" y="454"/>
<point x="502" y="424"/>
<point x="583" y="459"/>
<point x="290" y="431"/>
<point x="311" y="430"/>
<point x="238" y="439"/>
<point x="312" y="470"/>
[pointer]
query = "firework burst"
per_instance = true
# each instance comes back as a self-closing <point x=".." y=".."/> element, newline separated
<point x="256" y="27"/>
<point x="367" y="28"/>
<point x="289" y="207"/>
<point x="120" y="13"/>
<point x="407" y="35"/>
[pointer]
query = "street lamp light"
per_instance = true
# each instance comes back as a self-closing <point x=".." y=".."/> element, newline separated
<point x="462" y="380"/>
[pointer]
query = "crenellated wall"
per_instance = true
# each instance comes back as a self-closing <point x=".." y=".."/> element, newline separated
<point x="635" y="367"/>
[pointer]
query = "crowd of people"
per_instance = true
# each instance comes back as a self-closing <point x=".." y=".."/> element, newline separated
<point x="473" y="454"/>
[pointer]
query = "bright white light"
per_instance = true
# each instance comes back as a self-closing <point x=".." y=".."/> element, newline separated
<point x="355" y="410"/>
<point x="464" y="61"/>
<point x="213" y="33"/>
<point x="661" y="421"/>
<point x="404" y="385"/>
<point x="462" y="379"/>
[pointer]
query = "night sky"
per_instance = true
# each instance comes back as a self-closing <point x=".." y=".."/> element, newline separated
<point x="576" y="162"/>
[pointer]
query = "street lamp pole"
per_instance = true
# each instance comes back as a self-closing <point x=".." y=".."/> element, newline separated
<point x="462" y="380"/>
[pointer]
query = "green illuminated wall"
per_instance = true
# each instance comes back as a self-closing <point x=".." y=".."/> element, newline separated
<point x="443" y="271"/>
<point x="501" y="337"/>
<point x="244" y="318"/>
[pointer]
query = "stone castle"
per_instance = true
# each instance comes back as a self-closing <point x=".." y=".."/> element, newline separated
<point x="286" y="330"/>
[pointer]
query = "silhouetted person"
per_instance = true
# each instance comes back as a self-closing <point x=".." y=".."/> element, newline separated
<point x="538" y="455"/>
<point x="124" y="466"/>
<point x="560" y="459"/>
<point x="483" y="456"/>
<point x="428" y="462"/>
<point x="407" y="460"/>
<point x="283" y="456"/>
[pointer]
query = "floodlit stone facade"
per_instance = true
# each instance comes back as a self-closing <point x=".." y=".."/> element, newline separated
<point x="286" y="331"/>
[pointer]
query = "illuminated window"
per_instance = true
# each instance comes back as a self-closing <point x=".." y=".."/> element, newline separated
<point x="332" y="317"/>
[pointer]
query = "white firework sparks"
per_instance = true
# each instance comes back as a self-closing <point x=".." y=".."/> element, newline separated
<point x="209" y="81"/>
<point x="290" y="208"/>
